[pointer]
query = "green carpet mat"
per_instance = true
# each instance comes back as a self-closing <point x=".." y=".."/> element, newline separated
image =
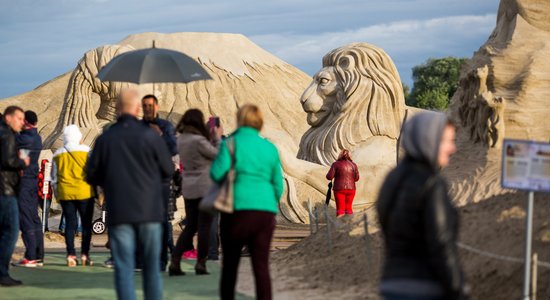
<point x="57" y="281"/>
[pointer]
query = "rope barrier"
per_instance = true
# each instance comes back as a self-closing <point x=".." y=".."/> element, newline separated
<point x="463" y="246"/>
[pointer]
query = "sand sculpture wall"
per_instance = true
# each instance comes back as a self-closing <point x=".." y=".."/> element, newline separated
<point x="364" y="110"/>
<point x="504" y="92"/>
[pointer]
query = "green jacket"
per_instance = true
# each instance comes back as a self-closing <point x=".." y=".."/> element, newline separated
<point x="258" y="176"/>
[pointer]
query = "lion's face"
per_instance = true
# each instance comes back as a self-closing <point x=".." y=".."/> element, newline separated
<point x="319" y="97"/>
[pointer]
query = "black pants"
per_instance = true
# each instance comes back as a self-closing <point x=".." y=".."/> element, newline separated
<point x="197" y="222"/>
<point x="213" y="247"/>
<point x="85" y="208"/>
<point x="255" y="230"/>
<point x="29" y="222"/>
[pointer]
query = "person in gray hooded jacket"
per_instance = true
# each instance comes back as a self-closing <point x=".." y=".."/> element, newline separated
<point x="418" y="220"/>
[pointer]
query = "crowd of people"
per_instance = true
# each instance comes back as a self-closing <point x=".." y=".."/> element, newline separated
<point x="140" y="166"/>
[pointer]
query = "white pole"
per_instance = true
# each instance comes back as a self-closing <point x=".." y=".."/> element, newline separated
<point x="45" y="189"/>
<point x="44" y="207"/>
<point x="529" y="231"/>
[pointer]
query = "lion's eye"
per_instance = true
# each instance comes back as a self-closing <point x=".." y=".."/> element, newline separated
<point x="323" y="80"/>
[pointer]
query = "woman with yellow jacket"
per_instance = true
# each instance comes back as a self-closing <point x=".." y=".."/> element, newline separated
<point x="73" y="192"/>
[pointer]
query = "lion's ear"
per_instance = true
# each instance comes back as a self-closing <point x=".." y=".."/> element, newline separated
<point x="346" y="62"/>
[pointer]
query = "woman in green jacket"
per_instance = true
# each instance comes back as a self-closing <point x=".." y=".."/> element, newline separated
<point x="257" y="189"/>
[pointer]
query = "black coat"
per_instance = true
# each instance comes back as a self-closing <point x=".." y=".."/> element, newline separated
<point x="420" y="227"/>
<point x="130" y="161"/>
<point x="10" y="164"/>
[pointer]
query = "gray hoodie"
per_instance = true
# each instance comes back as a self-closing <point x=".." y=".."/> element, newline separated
<point x="422" y="135"/>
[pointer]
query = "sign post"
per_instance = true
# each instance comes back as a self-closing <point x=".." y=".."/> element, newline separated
<point x="526" y="166"/>
<point x="528" y="250"/>
<point x="45" y="189"/>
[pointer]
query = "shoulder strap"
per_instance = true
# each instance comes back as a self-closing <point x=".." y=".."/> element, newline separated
<point x="230" y="142"/>
<point x="74" y="158"/>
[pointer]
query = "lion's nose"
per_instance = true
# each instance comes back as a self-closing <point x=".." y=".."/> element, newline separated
<point x="307" y="93"/>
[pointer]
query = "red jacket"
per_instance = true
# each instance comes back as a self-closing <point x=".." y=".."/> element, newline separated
<point x="345" y="174"/>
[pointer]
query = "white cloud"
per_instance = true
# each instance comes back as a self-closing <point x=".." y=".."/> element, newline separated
<point x="42" y="39"/>
<point x="408" y="42"/>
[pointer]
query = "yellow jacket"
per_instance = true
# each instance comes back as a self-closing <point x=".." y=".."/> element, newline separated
<point x="68" y="177"/>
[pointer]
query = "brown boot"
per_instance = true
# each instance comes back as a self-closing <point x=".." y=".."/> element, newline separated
<point x="200" y="267"/>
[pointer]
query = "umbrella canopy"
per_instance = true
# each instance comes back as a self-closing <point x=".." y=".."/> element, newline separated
<point x="152" y="65"/>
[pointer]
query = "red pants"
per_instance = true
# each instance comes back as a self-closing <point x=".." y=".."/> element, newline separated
<point x="344" y="201"/>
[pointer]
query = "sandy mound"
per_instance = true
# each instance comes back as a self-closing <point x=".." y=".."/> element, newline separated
<point x="345" y="272"/>
<point x="495" y="225"/>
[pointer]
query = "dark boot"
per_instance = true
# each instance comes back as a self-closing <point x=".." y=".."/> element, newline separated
<point x="8" y="281"/>
<point x="200" y="267"/>
<point x="175" y="269"/>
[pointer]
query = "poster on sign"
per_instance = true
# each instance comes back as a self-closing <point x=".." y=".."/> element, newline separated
<point x="526" y="165"/>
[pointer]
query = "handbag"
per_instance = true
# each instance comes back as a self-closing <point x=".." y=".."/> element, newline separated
<point x="219" y="197"/>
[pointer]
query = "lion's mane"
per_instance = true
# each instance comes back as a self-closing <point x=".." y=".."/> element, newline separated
<point x="370" y="103"/>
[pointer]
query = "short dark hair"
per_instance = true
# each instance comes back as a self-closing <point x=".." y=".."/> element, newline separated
<point x="193" y="118"/>
<point x="10" y="110"/>
<point x="150" y="96"/>
<point x="31" y="117"/>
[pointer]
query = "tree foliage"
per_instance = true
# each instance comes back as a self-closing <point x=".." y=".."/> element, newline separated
<point x="435" y="82"/>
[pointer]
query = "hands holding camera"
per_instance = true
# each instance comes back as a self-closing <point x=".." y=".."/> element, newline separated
<point x="215" y="128"/>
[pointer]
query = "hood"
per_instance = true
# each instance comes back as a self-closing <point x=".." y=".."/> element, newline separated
<point x="71" y="135"/>
<point x="422" y="135"/>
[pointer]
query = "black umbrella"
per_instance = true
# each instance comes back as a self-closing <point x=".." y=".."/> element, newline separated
<point x="329" y="194"/>
<point x="152" y="65"/>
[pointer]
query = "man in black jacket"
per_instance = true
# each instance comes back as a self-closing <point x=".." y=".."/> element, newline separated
<point x="150" y="106"/>
<point x="10" y="166"/>
<point x="130" y="161"/>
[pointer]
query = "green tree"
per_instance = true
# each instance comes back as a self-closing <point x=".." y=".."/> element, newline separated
<point x="406" y="90"/>
<point x="435" y="82"/>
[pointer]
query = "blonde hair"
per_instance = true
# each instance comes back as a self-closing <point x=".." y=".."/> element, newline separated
<point x="250" y="115"/>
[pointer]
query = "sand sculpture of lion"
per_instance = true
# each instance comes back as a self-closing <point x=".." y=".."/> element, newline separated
<point x="355" y="102"/>
<point x="356" y="96"/>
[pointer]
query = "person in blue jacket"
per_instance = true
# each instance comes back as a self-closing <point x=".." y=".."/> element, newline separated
<point x="29" y="221"/>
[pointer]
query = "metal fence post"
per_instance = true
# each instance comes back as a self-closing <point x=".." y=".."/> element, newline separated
<point x="367" y="241"/>
<point x="316" y="215"/>
<point x="310" y="213"/>
<point x="329" y="234"/>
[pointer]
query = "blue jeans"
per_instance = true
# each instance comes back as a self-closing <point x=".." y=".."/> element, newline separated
<point x="124" y="238"/>
<point x="9" y="231"/>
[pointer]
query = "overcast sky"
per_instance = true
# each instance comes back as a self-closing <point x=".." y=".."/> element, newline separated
<point x="41" y="39"/>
